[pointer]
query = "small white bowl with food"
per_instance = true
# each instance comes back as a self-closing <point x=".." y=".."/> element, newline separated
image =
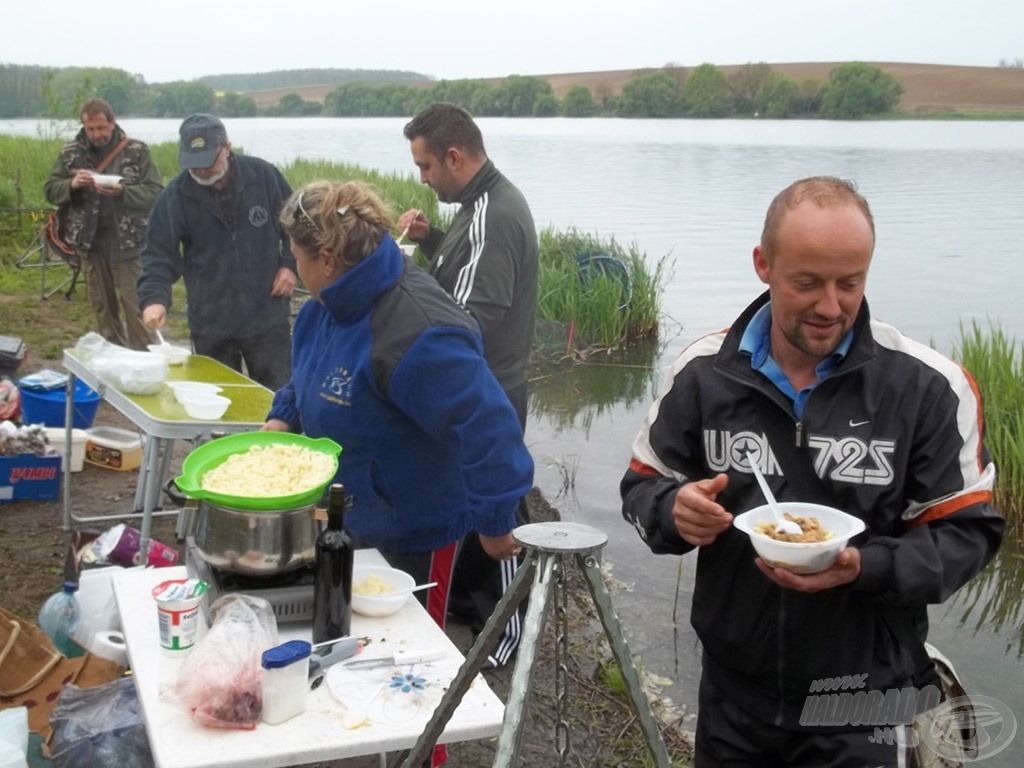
<point x="106" y="180"/>
<point x="204" y="406"/>
<point x="378" y="590"/>
<point x="825" y="533"/>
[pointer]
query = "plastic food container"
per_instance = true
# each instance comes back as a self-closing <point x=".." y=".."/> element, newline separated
<point x="177" y="605"/>
<point x="200" y="405"/>
<point x="175" y="355"/>
<point x="285" y="673"/>
<point x="113" y="448"/>
<point x="800" y="557"/>
<point x="57" y="437"/>
<point x="180" y="388"/>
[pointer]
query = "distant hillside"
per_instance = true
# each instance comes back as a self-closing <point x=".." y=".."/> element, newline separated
<point x="292" y="78"/>
<point x="926" y="87"/>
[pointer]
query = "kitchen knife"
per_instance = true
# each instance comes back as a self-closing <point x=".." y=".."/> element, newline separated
<point x="396" y="659"/>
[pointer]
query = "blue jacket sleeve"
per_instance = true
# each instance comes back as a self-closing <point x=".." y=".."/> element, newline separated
<point x="443" y="383"/>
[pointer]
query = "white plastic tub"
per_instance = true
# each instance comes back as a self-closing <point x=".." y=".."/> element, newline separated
<point x="79" y="437"/>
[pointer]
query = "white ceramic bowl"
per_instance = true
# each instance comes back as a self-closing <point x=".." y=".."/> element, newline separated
<point x="180" y="388"/>
<point x="175" y="355"/>
<point x="380" y="604"/>
<point x="799" y="557"/>
<point x="203" y="405"/>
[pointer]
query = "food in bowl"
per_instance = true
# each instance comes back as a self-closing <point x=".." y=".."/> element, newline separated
<point x="204" y="406"/>
<point x="810" y="530"/>
<point x="373" y="585"/>
<point x="175" y="355"/>
<point x="106" y="179"/>
<point x="180" y="388"/>
<point x="380" y="577"/>
<point x="271" y="470"/>
<point x="800" y="557"/>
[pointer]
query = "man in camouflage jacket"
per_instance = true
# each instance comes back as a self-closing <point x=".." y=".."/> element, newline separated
<point x="106" y="221"/>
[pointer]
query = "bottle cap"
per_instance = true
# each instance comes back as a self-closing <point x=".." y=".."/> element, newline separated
<point x="70" y="586"/>
<point x="285" y="654"/>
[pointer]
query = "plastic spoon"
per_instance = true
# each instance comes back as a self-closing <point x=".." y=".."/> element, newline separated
<point x="782" y="525"/>
<point x="412" y="589"/>
<point x="161" y="337"/>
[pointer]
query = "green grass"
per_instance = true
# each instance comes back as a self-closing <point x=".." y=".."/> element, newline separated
<point x="600" y="310"/>
<point x="997" y="363"/>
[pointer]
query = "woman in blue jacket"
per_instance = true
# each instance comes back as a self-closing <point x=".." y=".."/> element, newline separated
<point x="387" y="364"/>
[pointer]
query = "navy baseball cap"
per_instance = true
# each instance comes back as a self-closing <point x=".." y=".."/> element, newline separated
<point x="202" y="136"/>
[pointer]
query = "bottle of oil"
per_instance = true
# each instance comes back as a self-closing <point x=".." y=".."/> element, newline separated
<point x="332" y="587"/>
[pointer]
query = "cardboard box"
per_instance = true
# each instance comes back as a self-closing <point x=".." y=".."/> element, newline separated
<point x="29" y="476"/>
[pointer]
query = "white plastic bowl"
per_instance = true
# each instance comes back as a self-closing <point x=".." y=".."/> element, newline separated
<point x="799" y="557"/>
<point x="202" y="405"/>
<point x="192" y="387"/>
<point x="380" y="605"/>
<point x="175" y="355"/>
<point x="106" y="179"/>
<point x="409" y="249"/>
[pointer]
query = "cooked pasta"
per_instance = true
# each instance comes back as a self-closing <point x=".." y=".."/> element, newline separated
<point x="372" y="585"/>
<point x="810" y="530"/>
<point x="267" y="471"/>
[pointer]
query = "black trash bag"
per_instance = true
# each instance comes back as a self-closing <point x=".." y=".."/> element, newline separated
<point x="100" y="727"/>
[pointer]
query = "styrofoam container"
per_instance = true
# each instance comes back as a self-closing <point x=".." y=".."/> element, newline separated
<point x="175" y="355"/>
<point x="200" y="405"/>
<point x="800" y="557"/>
<point x="194" y="387"/>
<point x="79" y="437"/>
<point x="380" y="604"/>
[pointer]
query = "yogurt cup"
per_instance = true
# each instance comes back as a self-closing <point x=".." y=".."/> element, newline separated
<point x="177" y="605"/>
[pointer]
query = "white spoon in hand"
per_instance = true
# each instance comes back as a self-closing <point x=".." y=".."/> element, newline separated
<point x="160" y="336"/>
<point x="782" y="525"/>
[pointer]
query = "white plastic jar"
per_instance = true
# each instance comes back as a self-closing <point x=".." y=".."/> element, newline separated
<point x="285" y="673"/>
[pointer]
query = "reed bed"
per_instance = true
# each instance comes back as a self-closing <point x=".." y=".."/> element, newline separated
<point x="605" y="293"/>
<point x="997" y="363"/>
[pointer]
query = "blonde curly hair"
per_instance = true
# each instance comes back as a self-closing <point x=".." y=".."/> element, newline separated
<point x="345" y="219"/>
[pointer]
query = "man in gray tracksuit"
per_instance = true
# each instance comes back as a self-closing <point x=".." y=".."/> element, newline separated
<point x="487" y="260"/>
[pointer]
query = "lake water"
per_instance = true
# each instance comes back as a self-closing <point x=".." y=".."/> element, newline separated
<point x="948" y="201"/>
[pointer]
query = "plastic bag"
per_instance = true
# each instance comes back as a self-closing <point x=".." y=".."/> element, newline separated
<point x="220" y="681"/>
<point x="100" y="727"/>
<point x="137" y="373"/>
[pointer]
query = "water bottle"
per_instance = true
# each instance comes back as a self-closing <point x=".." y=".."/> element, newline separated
<point x="332" y="584"/>
<point x="58" y="618"/>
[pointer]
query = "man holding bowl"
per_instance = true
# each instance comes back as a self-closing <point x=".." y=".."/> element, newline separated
<point x="837" y="409"/>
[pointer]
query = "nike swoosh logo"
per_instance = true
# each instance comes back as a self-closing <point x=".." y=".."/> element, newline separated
<point x="859" y="423"/>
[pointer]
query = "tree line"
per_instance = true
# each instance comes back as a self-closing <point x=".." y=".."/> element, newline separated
<point x="853" y="90"/>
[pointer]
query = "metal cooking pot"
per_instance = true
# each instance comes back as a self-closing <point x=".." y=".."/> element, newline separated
<point x="256" y="543"/>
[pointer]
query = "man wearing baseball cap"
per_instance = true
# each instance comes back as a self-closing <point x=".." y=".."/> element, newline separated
<point x="216" y="225"/>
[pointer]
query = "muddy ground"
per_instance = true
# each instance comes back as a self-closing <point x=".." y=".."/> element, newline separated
<point x="602" y="728"/>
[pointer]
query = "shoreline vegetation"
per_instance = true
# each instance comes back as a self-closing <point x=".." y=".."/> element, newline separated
<point x="809" y="90"/>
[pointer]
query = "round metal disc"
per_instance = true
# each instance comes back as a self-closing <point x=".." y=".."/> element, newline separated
<point x="560" y="537"/>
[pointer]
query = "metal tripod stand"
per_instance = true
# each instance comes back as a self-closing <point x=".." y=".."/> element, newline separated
<point x="548" y="545"/>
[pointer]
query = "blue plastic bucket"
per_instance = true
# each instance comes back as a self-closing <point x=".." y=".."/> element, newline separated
<point x="48" y="407"/>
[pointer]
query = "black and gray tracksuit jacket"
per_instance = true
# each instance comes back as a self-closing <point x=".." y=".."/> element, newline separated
<point x="487" y="260"/>
<point x="893" y="436"/>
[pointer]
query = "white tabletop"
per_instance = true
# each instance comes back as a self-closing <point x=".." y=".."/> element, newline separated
<point x="319" y="733"/>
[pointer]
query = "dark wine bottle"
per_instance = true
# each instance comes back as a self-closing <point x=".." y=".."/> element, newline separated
<point x="332" y="586"/>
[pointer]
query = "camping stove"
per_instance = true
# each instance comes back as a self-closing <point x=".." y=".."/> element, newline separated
<point x="289" y="594"/>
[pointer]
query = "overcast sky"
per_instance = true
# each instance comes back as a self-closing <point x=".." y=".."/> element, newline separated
<point x="449" y="39"/>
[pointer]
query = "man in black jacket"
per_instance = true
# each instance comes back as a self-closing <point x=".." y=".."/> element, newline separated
<point x="824" y="669"/>
<point x="217" y="225"/>
<point x="108" y="183"/>
<point x="487" y="260"/>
